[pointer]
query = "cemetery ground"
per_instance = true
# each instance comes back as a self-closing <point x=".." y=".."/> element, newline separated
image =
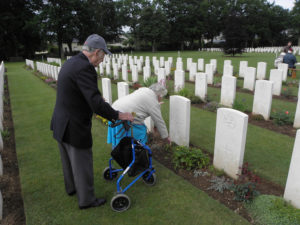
<point x="173" y="200"/>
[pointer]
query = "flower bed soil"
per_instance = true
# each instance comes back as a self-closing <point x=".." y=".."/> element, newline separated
<point x="203" y="182"/>
<point x="13" y="209"/>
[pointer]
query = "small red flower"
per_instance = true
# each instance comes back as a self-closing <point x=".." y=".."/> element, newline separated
<point x="284" y="89"/>
<point x="286" y="112"/>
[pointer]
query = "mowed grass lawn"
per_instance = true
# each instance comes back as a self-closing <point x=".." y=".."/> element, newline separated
<point x="172" y="201"/>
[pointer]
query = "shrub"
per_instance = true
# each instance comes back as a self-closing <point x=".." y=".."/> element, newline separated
<point x="287" y="92"/>
<point x="282" y="118"/>
<point x="257" y="117"/>
<point x="212" y="106"/>
<point x="189" y="158"/>
<point x="220" y="184"/>
<point x="240" y="105"/>
<point x="186" y="93"/>
<point x="151" y="80"/>
<point x="5" y="134"/>
<point x="269" y="209"/>
<point x="245" y="188"/>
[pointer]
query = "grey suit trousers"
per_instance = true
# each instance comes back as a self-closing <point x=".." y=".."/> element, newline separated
<point x="78" y="172"/>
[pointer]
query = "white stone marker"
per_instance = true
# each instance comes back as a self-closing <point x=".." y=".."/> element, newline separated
<point x="180" y="113"/>
<point x="188" y="63"/>
<point x="106" y="90"/>
<point x="297" y="114"/>
<point x="263" y="98"/>
<point x="179" y="65"/>
<point x="115" y="71"/>
<point x="230" y="140"/>
<point x="261" y="70"/>
<point x="123" y="89"/>
<point x="193" y="71"/>
<point x="167" y="68"/>
<point x="146" y="72"/>
<point x="161" y="61"/>
<point x="201" y="86"/>
<point x="124" y="72"/>
<point x="292" y="187"/>
<point x="228" y="90"/>
<point x="228" y="70"/>
<point x="243" y="67"/>
<point x="134" y="74"/>
<point x="149" y="124"/>
<point x="249" y="78"/>
<point x="108" y="70"/>
<point x="227" y="62"/>
<point x="214" y="63"/>
<point x="276" y="78"/>
<point x="179" y="80"/>
<point x="284" y="67"/>
<point x="200" y="64"/>
<point x="161" y="78"/>
<point x="209" y="70"/>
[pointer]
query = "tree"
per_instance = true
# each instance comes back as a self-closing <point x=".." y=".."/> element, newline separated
<point x="20" y="29"/>
<point x="153" y="26"/>
<point x="235" y="30"/>
<point x="295" y="19"/>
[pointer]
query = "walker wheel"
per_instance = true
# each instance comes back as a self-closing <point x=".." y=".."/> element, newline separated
<point x="120" y="203"/>
<point x="106" y="174"/>
<point x="152" y="179"/>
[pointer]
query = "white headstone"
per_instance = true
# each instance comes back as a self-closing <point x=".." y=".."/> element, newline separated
<point x="161" y="61"/>
<point x="292" y="187"/>
<point x="284" y="67"/>
<point x="230" y="140"/>
<point x="276" y="78"/>
<point x="200" y="64"/>
<point x="263" y="98"/>
<point x="297" y="114"/>
<point x="228" y="70"/>
<point x="243" y="67"/>
<point x="188" y="63"/>
<point x="261" y="70"/>
<point x="124" y="72"/>
<point x="115" y="71"/>
<point x="180" y="112"/>
<point x="161" y="78"/>
<point x="106" y="90"/>
<point x="193" y="70"/>
<point x="149" y="124"/>
<point x="214" y="63"/>
<point x="179" y="65"/>
<point x="146" y="72"/>
<point x="179" y="80"/>
<point x="209" y="70"/>
<point x="108" y="70"/>
<point x="249" y="78"/>
<point x="228" y="90"/>
<point x="135" y="75"/>
<point x="123" y="89"/>
<point x="201" y="86"/>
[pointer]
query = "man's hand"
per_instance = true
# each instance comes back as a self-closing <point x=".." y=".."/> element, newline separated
<point x="126" y="116"/>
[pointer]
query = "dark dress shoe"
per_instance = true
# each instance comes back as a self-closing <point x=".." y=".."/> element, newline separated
<point x="72" y="193"/>
<point x="96" y="203"/>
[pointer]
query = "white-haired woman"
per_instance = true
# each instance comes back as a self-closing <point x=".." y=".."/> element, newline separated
<point x="143" y="102"/>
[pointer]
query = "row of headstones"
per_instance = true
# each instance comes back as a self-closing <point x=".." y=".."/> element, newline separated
<point x="29" y="63"/>
<point x="48" y="70"/>
<point x="296" y="50"/>
<point x="2" y="70"/>
<point x="56" y="60"/>
<point x="230" y="138"/>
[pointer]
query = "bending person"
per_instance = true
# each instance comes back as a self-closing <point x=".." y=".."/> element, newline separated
<point x="143" y="102"/>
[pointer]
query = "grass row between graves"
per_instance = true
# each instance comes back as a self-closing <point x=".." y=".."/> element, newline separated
<point x="267" y="152"/>
<point x="172" y="201"/>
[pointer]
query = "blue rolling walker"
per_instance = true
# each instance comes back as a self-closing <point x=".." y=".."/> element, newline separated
<point x="135" y="159"/>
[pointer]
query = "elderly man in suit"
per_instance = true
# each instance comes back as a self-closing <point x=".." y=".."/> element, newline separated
<point x="78" y="97"/>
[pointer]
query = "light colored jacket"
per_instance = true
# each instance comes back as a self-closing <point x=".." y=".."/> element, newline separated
<point x="144" y="103"/>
